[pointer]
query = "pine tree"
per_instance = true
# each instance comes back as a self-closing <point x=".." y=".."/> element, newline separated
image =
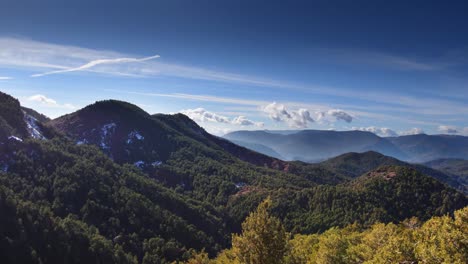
<point x="263" y="239"/>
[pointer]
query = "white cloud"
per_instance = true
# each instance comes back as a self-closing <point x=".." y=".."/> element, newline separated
<point x="97" y="62"/>
<point x="243" y="121"/>
<point x="445" y="129"/>
<point x="332" y="115"/>
<point x="277" y="112"/>
<point x="202" y="115"/>
<point x="296" y="119"/>
<point x="5" y="78"/>
<point x="380" y="131"/>
<point x="448" y="129"/>
<point x="452" y="130"/>
<point x="340" y="115"/>
<point x="387" y="132"/>
<point x="412" y="131"/>
<point x="48" y="102"/>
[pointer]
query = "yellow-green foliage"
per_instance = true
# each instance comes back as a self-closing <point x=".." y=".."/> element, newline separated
<point x="439" y="240"/>
<point x="263" y="239"/>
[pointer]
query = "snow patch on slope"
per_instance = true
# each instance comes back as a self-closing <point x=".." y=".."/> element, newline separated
<point x="134" y="135"/>
<point x="139" y="164"/>
<point x="32" y="126"/>
<point x="156" y="163"/>
<point x="106" y="131"/>
<point x="81" y="142"/>
<point x="15" y="138"/>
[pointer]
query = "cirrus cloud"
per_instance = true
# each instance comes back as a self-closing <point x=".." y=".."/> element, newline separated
<point x="97" y="62"/>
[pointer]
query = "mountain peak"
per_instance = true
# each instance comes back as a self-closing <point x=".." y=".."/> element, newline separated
<point x="114" y="107"/>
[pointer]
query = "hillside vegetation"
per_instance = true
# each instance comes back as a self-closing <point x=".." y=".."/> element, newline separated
<point x="264" y="240"/>
<point x="111" y="183"/>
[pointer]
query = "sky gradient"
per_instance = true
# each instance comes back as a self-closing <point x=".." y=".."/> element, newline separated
<point x="389" y="67"/>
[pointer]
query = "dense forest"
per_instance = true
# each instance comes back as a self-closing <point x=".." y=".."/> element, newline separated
<point x="264" y="240"/>
<point x="112" y="184"/>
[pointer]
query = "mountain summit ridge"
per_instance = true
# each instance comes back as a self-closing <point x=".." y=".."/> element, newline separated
<point x="318" y="145"/>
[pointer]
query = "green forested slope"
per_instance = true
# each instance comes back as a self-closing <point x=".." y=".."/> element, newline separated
<point x="123" y="204"/>
<point x="115" y="184"/>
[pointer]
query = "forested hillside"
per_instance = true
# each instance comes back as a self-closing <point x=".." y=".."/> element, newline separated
<point x="265" y="240"/>
<point x="113" y="184"/>
<point x="386" y="194"/>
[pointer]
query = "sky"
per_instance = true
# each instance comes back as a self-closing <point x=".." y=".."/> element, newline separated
<point x="388" y="67"/>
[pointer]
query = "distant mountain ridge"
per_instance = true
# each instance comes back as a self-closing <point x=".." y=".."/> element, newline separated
<point x="317" y="145"/>
<point x="356" y="164"/>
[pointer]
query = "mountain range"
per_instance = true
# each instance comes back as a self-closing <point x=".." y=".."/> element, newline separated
<point x="318" y="145"/>
<point x="111" y="183"/>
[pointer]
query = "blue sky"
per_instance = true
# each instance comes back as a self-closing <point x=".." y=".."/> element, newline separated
<point x="390" y="67"/>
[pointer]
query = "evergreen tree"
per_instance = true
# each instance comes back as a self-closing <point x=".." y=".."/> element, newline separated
<point x="263" y="239"/>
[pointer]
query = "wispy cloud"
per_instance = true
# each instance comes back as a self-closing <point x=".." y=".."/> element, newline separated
<point x="376" y="58"/>
<point x="33" y="55"/>
<point x="52" y="58"/>
<point x="45" y="58"/>
<point x="5" y="78"/>
<point x="97" y="62"/>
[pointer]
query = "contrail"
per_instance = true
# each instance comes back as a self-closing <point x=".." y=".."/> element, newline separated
<point x="97" y="62"/>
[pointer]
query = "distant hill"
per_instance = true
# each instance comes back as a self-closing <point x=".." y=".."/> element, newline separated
<point x="457" y="168"/>
<point x="259" y="148"/>
<point x="453" y="166"/>
<point x="386" y="194"/>
<point x="353" y="165"/>
<point x="423" y="148"/>
<point x="318" y="145"/>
